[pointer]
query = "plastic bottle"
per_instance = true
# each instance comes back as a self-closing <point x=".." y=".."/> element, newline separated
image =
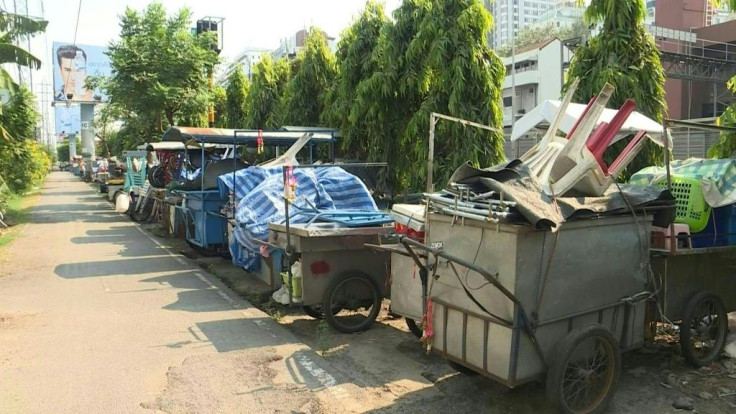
<point x="80" y="73"/>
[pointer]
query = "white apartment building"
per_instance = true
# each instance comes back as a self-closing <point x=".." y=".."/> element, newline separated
<point x="247" y="59"/>
<point x="539" y="75"/>
<point x="564" y="15"/>
<point x="510" y="16"/>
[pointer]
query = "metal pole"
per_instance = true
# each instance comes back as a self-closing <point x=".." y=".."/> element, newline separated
<point x="512" y="15"/>
<point x="430" y="161"/>
<point x="288" y="235"/>
<point x="673" y="239"/>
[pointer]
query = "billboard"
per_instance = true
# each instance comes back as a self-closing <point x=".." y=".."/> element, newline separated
<point x="67" y="120"/>
<point x="72" y="65"/>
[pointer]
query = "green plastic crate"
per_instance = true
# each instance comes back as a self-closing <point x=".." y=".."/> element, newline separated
<point x="691" y="206"/>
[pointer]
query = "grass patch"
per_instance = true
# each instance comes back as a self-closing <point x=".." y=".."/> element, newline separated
<point x="17" y="214"/>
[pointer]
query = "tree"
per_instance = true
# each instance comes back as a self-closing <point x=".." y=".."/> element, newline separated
<point x="13" y="28"/>
<point x="160" y="70"/>
<point x="23" y="163"/>
<point x="105" y="118"/>
<point x="623" y="54"/>
<point x="220" y="99"/>
<point x="726" y="145"/>
<point x="62" y="149"/>
<point x="356" y="63"/>
<point x="237" y="90"/>
<point x="433" y="59"/>
<point x="268" y="84"/>
<point x="315" y="70"/>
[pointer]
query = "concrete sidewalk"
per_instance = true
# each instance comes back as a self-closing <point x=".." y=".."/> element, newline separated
<point x="97" y="316"/>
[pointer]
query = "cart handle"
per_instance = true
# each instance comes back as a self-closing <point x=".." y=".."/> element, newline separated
<point x="408" y="243"/>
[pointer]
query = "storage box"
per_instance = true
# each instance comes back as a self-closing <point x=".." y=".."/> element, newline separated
<point x="720" y="230"/>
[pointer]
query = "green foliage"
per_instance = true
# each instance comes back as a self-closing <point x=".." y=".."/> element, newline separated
<point x="237" y="90"/>
<point x="433" y="58"/>
<point x="14" y="28"/>
<point x="537" y="34"/>
<point x="219" y="95"/>
<point x="23" y="163"/>
<point x="315" y="66"/>
<point x="160" y="71"/>
<point x="62" y="149"/>
<point x="726" y="145"/>
<point x="268" y="84"/>
<point x="356" y="63"/>
<point x="623" y="54"/>
<point x="105" y="118"/>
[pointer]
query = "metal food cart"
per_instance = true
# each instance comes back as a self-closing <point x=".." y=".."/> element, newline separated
<point x="515" y="303"/>
<point x="337" y="271"/>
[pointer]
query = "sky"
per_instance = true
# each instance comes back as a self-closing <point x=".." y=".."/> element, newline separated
<point x="248" y="23"/>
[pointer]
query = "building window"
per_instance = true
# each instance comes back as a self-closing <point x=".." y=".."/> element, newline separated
<point x="506" y="101"/>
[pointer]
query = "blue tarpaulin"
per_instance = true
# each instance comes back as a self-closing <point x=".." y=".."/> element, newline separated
<point x="259" y="193"/>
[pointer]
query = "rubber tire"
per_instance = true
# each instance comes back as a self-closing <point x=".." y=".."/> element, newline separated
<point x="316" y="311"/>
<point x="145" y="213"/>
<point x="156" y="176"/>
<point x="685" y="334"/>
<point x="327" y="302"/>
<point x="413" y="327"/>
<point x="461" y="368"/>
<point x="560" y="356"/>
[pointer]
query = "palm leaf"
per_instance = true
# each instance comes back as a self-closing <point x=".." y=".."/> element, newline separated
<point x="20" y="26"/>
<point x="10" y="53"/>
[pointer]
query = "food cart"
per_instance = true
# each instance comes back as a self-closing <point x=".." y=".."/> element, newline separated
<point x="202" y="208"/>
<point x="516" y="303"/>
<point x="337" y="271"/>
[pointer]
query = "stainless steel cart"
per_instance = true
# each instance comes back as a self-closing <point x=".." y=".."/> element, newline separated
<point x="518" y="304"/>
<point x="338" y="272"/>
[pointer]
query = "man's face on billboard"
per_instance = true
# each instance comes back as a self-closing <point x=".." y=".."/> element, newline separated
<point x="69" y="75"/>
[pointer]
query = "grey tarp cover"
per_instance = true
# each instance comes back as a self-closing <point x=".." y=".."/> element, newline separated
<point x="516" y="183"/>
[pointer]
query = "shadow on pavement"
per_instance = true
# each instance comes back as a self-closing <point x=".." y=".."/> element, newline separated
<point x="115" y="267"/>
<point x="128" y="237"/>
<point x="238" y="334"/>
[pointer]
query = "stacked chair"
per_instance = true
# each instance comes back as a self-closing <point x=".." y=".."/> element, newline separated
<point x="576" y="162"/>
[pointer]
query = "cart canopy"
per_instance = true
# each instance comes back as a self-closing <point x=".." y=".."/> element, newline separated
<point x="247" y="136"/>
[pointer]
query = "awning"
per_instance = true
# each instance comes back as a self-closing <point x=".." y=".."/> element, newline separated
<point x="541" y="116"/>
<point x="173" y="146"/>
<point x="242" y="137"/>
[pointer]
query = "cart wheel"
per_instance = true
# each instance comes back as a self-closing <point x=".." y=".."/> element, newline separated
<point x="413" y="327"/>
<point x="315" y="311"/>
<point x="145" y="211"/>
<point x="584" y="371"/>
<point x="704" y="329"/>
<point x="359" y="298"/>
<point x="156" y="177"/>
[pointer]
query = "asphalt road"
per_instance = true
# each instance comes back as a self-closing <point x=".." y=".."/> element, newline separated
<point x="96" y="316"/>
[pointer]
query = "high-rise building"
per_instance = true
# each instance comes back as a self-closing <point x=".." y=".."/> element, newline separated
<point x="247" y="60"/>
<point x="707" y="13"/>
<point x="510" y="16"/>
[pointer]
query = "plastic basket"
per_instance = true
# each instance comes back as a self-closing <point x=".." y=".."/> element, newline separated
<point x="691" y="208"/>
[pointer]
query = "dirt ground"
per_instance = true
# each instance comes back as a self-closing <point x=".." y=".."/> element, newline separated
<point x="389" y="361"/>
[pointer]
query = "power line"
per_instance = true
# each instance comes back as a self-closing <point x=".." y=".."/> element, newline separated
<point x="76" y="26"/>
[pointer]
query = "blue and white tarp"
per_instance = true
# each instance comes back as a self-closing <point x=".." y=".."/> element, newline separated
<point x="259" y="193"/>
